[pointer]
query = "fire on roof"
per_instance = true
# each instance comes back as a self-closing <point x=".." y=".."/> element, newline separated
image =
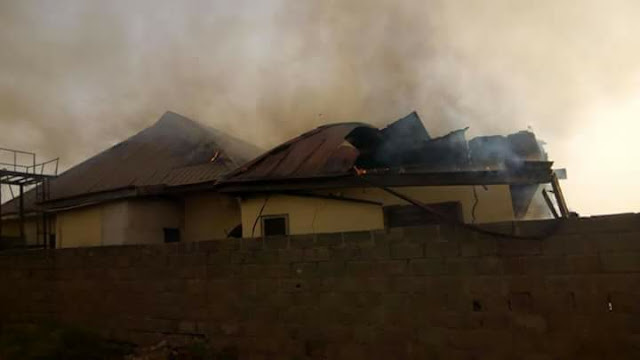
<point x="404" y="144"/>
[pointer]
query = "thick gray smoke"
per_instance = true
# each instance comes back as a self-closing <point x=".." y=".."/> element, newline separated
<point x="77" y="76"/>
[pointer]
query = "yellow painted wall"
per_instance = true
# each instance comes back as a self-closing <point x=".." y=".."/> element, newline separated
<point x="210" y="216"/>
<point x="79" y="227"/>
<point x="146" y="220"/>
<point x="309" y="215"/>
<point x="11" y="228"/>
<point x="493" y="205"/>
<point x="138" y="221"/>
<point x="316" y="215"/>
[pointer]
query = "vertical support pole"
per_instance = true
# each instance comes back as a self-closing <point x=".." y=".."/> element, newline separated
<point x="564" y="210"/>
<point x="44" y="230"/>
<point x="22" y="238"/>
<point x="547" y="199"/>
<point x="0" y="211"/>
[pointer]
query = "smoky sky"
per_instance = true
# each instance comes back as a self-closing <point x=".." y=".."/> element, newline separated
<point x="77" y="76"/>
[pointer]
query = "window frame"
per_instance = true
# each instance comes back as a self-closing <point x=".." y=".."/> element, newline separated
<point x="166" y="231"/>
<point x="274" y="216"/>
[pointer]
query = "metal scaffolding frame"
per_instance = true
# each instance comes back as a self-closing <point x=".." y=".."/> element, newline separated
<point x="23" y="171"/>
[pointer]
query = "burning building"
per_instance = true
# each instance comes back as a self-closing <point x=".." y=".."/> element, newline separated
<point x="353" y="177"/>
<point x="181" y="181"/>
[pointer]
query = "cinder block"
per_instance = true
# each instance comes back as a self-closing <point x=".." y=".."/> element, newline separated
<point x="530" y="322"/>
<point x="422" y="234"/>
<point x="391" y="267"/>
<point x="219" y="257"/>
<point x="616" y="282"/>
<point x="583" y="264"/>
<point x="484" y="285"/>
<point x="294" y="285"/>
<point x="358" y="237"/>
<point x="480" y="339"/>
<point x="521" y="302"/>
<point x="351" y="351"/>
<point x="406" y="251"/>
<point x="345" y="253"/>
<point x="388" y="236"/>
<point x="610" y="223"/>
<point x="619" y="242"/>
<point x="533" y="284"/>
<point x="329" y="239"/>
<point x="266" y="286"/>
<point x="444" y="247"/>
<point x="625" y="302"/>
<point x="290" y="255"/>
<point x="538" y="265"/>
<point x="276" y="242"/>
<point x="460" y="266"/>
<point x="581" y="244"/>
<point x="555" y="245"/>
<point x="478" y="245"/>
<point x="489" y="265"/>
<point x="222" y="271"/>
<point x="251" y="270"/>
<point x="629" y="262"/>
<point x="221" y="245"/>
<point x="264" y="257"/>
<point x="331" y="268"/>
<point x="376" y="252"/>
<point x="377" y="284"/>
<point x="304" y="269"/>
<point x="252" y="244"/>
<point x="514" y="265"/>
<point x="302" y="241"/>
<point x="407" y="284"/>
<point x="360" y="268"/>
<point x="316" y="254"/>
<point x="519" y="247"/>
<point x="433" y="266"/>
<point x="190" y="259"/>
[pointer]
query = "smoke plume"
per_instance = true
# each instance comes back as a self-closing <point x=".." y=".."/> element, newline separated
<point x="77" y="76"/>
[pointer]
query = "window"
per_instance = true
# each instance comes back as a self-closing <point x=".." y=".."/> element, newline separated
<point x="52" y="241"/>
<point x="275" y="225"/>
<point x="171" y="235"/>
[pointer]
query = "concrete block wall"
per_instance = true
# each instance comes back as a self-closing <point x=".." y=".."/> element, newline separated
<point x="434" y="292"/>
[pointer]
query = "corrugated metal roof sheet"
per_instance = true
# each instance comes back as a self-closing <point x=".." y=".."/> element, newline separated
<point x="173" y="151"/>
<point x="319" y="152"/>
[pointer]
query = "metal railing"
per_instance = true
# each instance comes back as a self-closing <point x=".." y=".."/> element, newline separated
<point x="25" y="162"/>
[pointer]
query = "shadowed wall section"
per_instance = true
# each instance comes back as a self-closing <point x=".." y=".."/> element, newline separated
<point x="425" y="292"/>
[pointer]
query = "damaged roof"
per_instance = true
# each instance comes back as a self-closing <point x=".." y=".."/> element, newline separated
<point x="319" y="152"/>
<point x="173" y="151"/>
<point x="405" y="144"/>
<point x="401" y="154"/>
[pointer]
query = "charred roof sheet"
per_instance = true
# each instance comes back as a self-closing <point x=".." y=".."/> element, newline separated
<point x="401" y="153"/>
<point x="173" y="151"/>
<point x="319" y="152"/>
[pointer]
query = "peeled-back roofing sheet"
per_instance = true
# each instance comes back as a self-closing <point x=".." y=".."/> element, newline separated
<point x="319" y="152"/>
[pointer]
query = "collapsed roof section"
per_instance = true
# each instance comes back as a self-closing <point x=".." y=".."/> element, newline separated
<point x="401" y="154"/>
<point x="403" y="145"/>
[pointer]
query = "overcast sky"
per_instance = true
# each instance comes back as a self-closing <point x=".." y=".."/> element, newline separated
<point x="77" y="76"/>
